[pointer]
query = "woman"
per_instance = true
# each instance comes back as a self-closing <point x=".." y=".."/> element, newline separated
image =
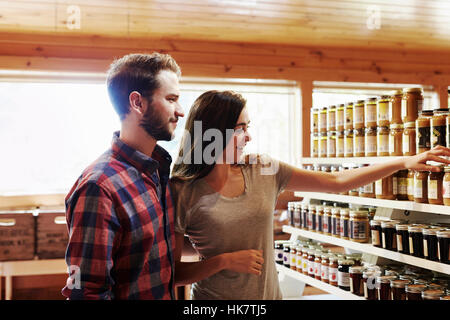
<point x="225" y="206"/>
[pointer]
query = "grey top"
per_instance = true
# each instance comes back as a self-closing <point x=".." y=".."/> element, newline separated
<point x="216" y="224"/>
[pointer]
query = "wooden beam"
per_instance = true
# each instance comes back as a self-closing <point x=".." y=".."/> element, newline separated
<point x="306" y="87"/>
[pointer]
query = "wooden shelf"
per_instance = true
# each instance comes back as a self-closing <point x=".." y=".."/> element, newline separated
<point x="344" y="161"/>
<point x="370" y="249"/>
<point x="394" y="204"/>
<point x="318" y="284"/>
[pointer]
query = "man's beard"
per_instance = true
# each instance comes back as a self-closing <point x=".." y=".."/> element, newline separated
<point x="155" y="126"/>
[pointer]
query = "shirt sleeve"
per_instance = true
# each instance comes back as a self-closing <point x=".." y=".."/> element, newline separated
<point x="93" y="227"/>
<point x="281" y="171"/>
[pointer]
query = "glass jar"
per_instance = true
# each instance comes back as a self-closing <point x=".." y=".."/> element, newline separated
<point x="375" y="230"/>
<point x="297" y="214"/>
<point x="336" y="222"/>
<point x="331" y="118"/>
<point x="340" y="144"/>
<point x="345" y="217"/>
<point x="356" y="280"/>
<point x="304" y="216"/>
<point x="287" y="255"/>
<point x="367" y="191"/>
<point x="311" y="258"/>
<point x="446" y="186"/>
<point x="414" y="291"/>
<point x="435" y="294"/>
<point x="305" y="261"/>
<point x="324" y="268"/>
<point x="410" y="182"/>
<point x="423" y="131"/>
<point x="312" y="217"/>
<point x="323" y="120"/>
<point x="402" y="238"/>
<point x="315" y="119"/>
<point x="396" y="140"/>
<point x="279" y="252"/>
<point x="348" y="125"/>
<point x="420" y="186"/>
<point x="358" y="142"/>
<point x="409" y="139"/>
<point x="370" y="113"/>
<point x="435" y="184"/>
<point x="293" y="258"/>
<point x="384" y="287"/>
<point x="430" y="243"/>
<point x="344" y="274"/>
<point x="370" y="142"/>
<point x="389" y="235"/>
<point x="416" y="240"/>
<point x="443" y="245"/>
<point x="299" y="261"/>
<point x="358" y="114"/>
<point x="412" y="103"/>
<point x="395" y="107"/>
<point x="327" y="221"/>
<point x="323" y="140"/>
<point x="348" y="143"/>
<point x="384" y="188"/>
<point x="402" y="185"/>
<point x="369" y="283"/>
<point x="317" y="265"/>
<point x="331" y="144"/>
<point x="383" y="141"/>
<point x="305" y="220"/>
<point x="438" y="128"/>
<point x="340" y="118"/>
<point x="398" y="289"/>
<point x="291" y="213"/>
<point x="319" y="219"/>
<point x="333" y="271"/>
<point x="314" y="145"/>
<point x="383" y="111"/>
<point x="359" y="226"/>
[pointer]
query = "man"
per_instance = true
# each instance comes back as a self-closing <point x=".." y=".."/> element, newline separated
<point x="119" y="212"/>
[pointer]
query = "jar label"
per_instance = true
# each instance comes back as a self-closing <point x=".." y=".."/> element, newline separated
<point x="358" y="230"/>
<point x="411" y="248"/>
<point x="418" y="191"/>
<point x="376" y="237"/>
<point x="368" y="188"/>
<point x="432" y="189"/>
<point x="423" y="137"/>
<point x="405" y="144"/>
<point x="278" y="255"/>
<point x="299" y="263"/>
<point x="378" y="187"/>
<point x="394" y="186"/>
<point x="340" y="146"/>
<point x="348" y="146"/>
<point x="340" y="118"/>
<point x="410" y="182"/>
<point x="446" y="189"/>
<point x="343" y="279"/>
<point x="399" y="242"/>
<point x="323" y="148"/>
<point x="311" y="267"/>
<point x="293" y="260"/>
<point x="382" y="143"/>
<point x="305" y="265"/>
<point x="425" y="248"/>
<point x="331" y="146"/>
<point x="317" y="266"/>
<point x="383" y="111"/>
<point x="370" y="144"/>
<point x="371" y="113"/>
<point x="332" y="274"/>
<point x="404" y="108"/>
<point x="402" y="186"/>
<point x="323" y="121"/>
<point x="324" y="272"/>
<point x="438" y="136"/>
<point x="391" y="144"/>
<point x="358" y="145"/>
<point x="358" y="115"/>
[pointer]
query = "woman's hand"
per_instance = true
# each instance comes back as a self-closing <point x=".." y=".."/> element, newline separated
<point x="418" y="162"/>
<point x="244" y="261"/>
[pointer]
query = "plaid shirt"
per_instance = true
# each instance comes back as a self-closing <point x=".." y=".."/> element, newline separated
<point x="120" y="219"/>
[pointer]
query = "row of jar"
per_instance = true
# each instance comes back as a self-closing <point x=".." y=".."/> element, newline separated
<point x="349" y="273"/>
<point x="398" y="139"/>
<point x="431" y="242"/>
<point x="431" y="187"/>
<point x="402" y="106"/>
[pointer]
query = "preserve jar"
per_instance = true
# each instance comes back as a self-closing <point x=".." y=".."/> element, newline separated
<point x="323" y="120"/>
<point x="375" y="231"/>
<point x="409" y="139"/>
<point x="314" y="145"/>
<point x="324" y="268"/>
<point x="344" y="274"/>
<point x="358" y="142"/>
<point x="356" y="280"/>
<point x="348" y="125"/>
<point x="396" y="139"/>
<point x="384" y="188"/>
<point x="305" y="261"/>
<point x="336" y="222"/>
<point x="359" y="226"/>
<point x="331" y="144"/>
<point x="291" y="213"/>
<point x="395" y="107"/>
<point x="384" y="287"/>
<point x="416" y="240"/>
<point x="420" y="186"/>
<point x="410" y="181"/>
<point x="423" y="131"/>
<point x="305" y="219"/>
<point x="279" y="252"/>
<point x="383" y="141"/>
<point x="287" y="255"/>
<point x="412" y="103"/>
<point x="402" y="238"/>
<point x="311" y="258"/>
<point x="414" y="291"/>
<point x="299" y="266"/>
<point x="430" y="243"/>
<point x="398" y="289"/>
<point x="402" y="185"/>
<point x="333" y="271"/>
<point x="293" y="258"/>
<point x="443" y="245"/>
<point x="367" y="191"/>
<point x="345" y="216"/>
<point x="298" y="214"/>
<point x="317" y="265"/>
<point x="348" y="143"/>
<point x="438" y="128"/>
<point x="319" y="219"/>
<point x="389" y="235"/>
<point x="370" y="113"/>
<point x="323" y="139"/>
<point x="340" y="144"/>
<point x="383" y="111"/>
<point x="304" y="214"/>
<point x="312" y="217"/>
<point x="370" y="142"/>
<point x="315" y="119"/>
<point x="435" y="185"/>
<point x="331" y="118"/>
<point x="358" y="114"/>
<point x="327" y="221"/>
<point x="434" y="294"/>
<point x="340" y="118"/>
<point x="446" y="186"/>
<point x="369" y="284"/>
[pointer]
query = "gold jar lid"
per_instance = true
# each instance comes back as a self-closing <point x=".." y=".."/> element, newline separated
<point x="397" y="92"/>
<point x="411" y="124"/>
<point x="396" y="126"/>
<point x="412" y="90"/>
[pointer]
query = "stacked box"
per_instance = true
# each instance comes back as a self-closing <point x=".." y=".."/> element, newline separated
<point x="17" y="236"/>
<point x="52" y="235"/>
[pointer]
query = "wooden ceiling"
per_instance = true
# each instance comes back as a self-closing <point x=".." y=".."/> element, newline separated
<point x="390" y="24"/>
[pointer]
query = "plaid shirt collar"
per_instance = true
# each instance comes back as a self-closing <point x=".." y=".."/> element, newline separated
<point x="160" y="157"/>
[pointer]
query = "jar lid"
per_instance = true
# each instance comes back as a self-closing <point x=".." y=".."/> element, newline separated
<point x="416" y="228"/>
<point x="327" y="209"/>
<point x="389" y="224"/>
<point x="385" y="97"/>
<point x="324" y="109"/>
<point x="396" y="126"/>
<point x="290" y="205"/>
<point x="349" y="104"/>
<point x="359" y="214"/>
<point x="315" y="108"/>
<point x="439" y="110"/>
<point x="304" y="205"/>
<point x="286" y="245"/>
<point x="297" y="205"/>
<point x="331" y="107"/>
<point x="383" y="128"/>
<point x="373" y="99"/>
<point x="357" y="269"/>
<point x="335" y="210"/>
<point x="399" y="283"/>
<point x="359" y="102"/>
<point x="426" y="112"/>
<point x="345" y="211"/>
<point x="407" y="277"/>
<point x="346" y="262"/>
<point x="412" y="90"/>
<point x="341" y="105"/>
<point x="385" y="279"/>
<point x="447" y="169"/>
<point x="402" y="226"/>
<point x="411" y="124"/>
<point x="375" y="222"/>
<point x="443" y="233"/>
<point x="312" y="207"/>
<point x="415" y="288"/>
<point x="433" y="293"/>
<point x="431" y="230"/>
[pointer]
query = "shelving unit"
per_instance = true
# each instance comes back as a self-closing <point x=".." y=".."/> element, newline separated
<point x="351" y="160"/>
